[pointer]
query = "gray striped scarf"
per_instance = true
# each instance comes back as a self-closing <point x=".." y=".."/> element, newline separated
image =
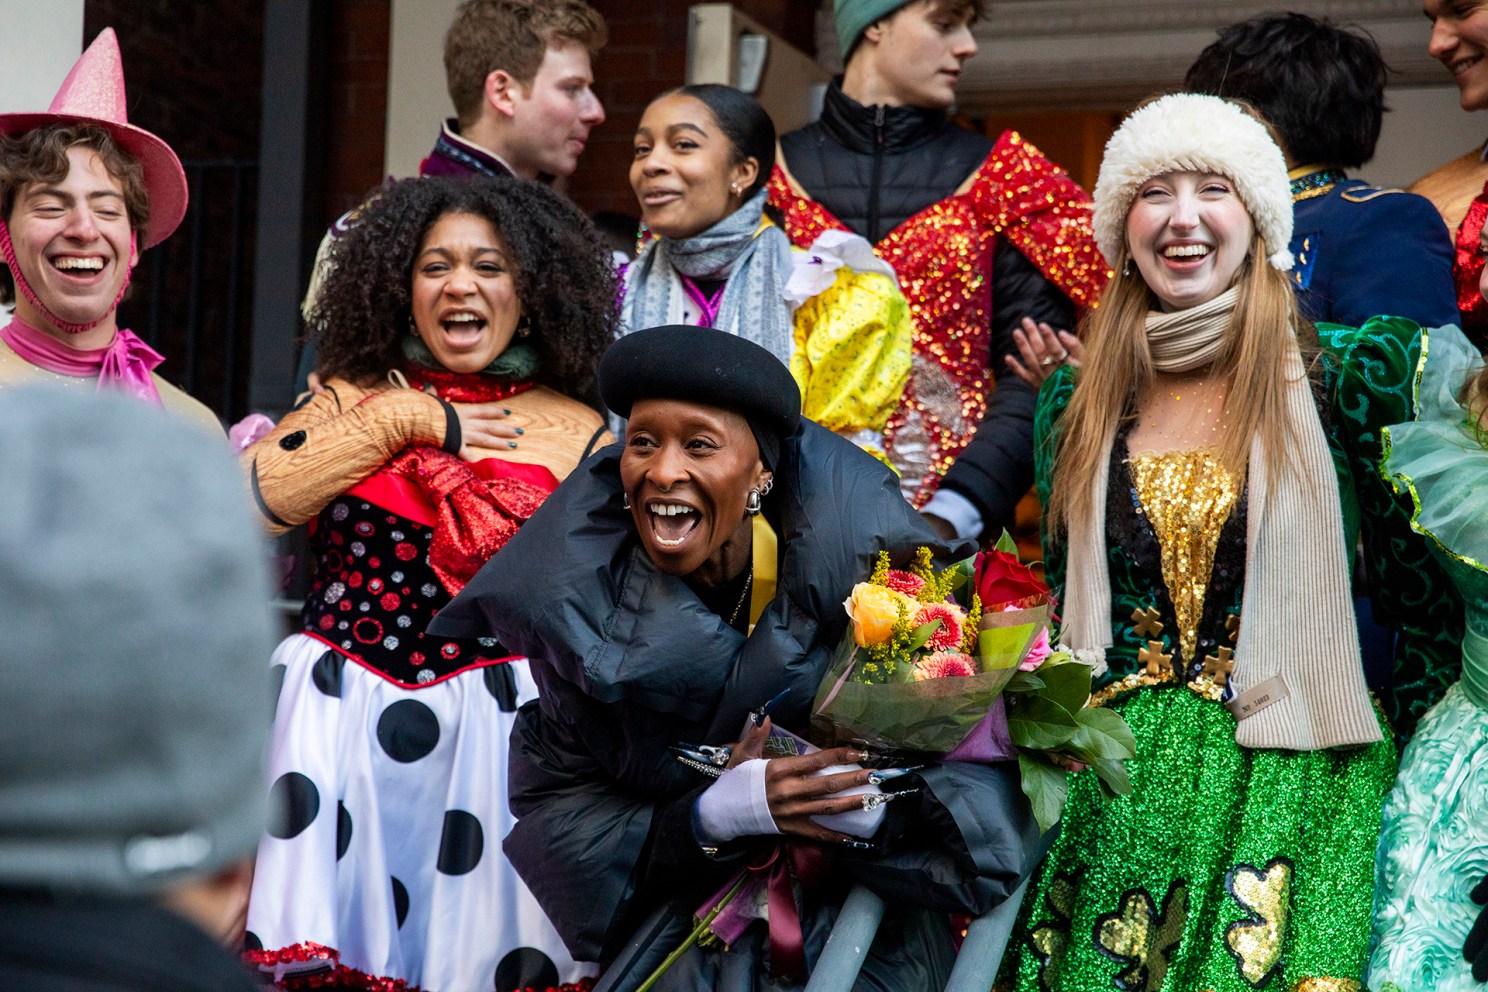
<point x="755" y="260"/>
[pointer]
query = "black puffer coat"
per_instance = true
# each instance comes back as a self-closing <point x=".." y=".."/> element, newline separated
<point x="629" y="661"/>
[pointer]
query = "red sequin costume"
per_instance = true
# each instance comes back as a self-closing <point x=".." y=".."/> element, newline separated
<point x="1467" y="269"/>
<point x="943" y="256"/>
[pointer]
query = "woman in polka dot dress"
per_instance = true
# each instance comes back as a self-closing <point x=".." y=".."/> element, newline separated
<point x="462" y="324"/>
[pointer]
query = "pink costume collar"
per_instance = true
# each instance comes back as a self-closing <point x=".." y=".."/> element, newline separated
<point x="124" y="365"/>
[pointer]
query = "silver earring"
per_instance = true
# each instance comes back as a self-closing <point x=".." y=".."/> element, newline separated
<point x="752" y="503"/>
<point x="734" y="188"/>
<point x="769" y="484"/>
<point x="625" y="500"/>
<point x="1126" y="267"/>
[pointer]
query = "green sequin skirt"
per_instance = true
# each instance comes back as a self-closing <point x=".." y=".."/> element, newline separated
<point x="1225" y="869"/>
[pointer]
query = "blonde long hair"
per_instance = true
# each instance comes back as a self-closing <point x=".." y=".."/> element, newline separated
<point x="1118" y="370"/>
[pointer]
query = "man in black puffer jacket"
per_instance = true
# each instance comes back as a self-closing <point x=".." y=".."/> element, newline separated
<point x="982" y="234"/>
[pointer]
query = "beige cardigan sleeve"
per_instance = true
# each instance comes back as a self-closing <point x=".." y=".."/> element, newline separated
<point x="334" y="441"/>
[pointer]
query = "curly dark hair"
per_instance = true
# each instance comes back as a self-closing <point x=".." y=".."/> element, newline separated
<point x="564" y="277"/>
<point x="1322" y="87"/>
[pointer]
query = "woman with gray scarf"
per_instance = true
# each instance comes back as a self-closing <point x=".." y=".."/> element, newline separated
<point x="833" y="314"/>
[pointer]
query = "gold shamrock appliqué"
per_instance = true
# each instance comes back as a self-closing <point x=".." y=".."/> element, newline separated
<point x="1051" y="937"/>
<point x="1265" y="894"/>
<point x="1142" y="938"/>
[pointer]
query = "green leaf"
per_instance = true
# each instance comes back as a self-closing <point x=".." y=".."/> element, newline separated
<point x="961" y="574"/>
<point x="1024" y="682"/>
<point x="1102" y="735"/>
<point x="1067" y="685"/>
<point x="1046" y="787"/>
<point x="1003" y="647"/>
<point x="1006" y="544"/>
<point x="922" y="634"/>
<point x="1113" y="778"/>
<point x="1038" y="724"/>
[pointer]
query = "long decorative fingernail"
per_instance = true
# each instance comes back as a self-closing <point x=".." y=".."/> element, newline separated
<point x="519" y="430"/>
<point x="857" y="756"/>
<point x="506" y="411"/>
<point x="882" y="775"/>
<point x="511" y="444"/>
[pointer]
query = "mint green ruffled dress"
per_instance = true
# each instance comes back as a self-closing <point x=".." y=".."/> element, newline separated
<point x="1434" y="846"/>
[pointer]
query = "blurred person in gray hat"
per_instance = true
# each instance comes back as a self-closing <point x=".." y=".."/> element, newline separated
<point x="134" y="598"/>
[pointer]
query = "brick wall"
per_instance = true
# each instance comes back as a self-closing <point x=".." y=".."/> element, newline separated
<point x="356" y="124"/>
<point x="192" y="70"/>
<point x="193" y="73"/>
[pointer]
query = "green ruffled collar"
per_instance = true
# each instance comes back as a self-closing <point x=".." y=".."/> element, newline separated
<point x="518" y="362"/>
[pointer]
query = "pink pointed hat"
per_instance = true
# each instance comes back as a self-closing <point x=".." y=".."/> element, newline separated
<point x="93" y="93"/>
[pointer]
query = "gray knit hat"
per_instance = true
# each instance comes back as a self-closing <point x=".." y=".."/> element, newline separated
<point x="853" y="17"/>
<point x="134" y="633"/>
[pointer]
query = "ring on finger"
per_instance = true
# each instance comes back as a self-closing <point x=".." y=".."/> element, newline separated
<point x="1047" y="360"/>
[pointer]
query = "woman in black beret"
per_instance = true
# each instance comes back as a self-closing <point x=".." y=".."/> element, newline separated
<point x="657" y="607"/>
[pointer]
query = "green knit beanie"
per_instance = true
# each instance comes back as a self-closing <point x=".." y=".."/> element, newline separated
<point x="854" y="16"/>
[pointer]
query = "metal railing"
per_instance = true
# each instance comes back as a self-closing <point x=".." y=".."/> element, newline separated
<point x="857" y="924"/>
<point x="192" y="295"/>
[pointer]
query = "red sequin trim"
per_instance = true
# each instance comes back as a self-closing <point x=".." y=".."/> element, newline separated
<point x="943" y="257"/>
<point x="456" y="387"/>
<point x="1468" y="267"/>
<point x="341" y="976"/>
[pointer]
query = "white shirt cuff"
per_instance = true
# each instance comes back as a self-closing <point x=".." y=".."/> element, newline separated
<point x="957" y="511"/>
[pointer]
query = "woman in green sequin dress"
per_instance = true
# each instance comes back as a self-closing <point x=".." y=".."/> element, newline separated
<point x="1202" y="476"/>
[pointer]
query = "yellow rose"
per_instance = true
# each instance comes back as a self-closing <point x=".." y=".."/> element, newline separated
<point x="874" y="611"/>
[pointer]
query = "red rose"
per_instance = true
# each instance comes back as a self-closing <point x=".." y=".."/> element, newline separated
<point x="1003" y="582"/>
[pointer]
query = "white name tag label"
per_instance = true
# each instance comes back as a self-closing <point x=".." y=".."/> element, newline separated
<point x="1253" y="700"/>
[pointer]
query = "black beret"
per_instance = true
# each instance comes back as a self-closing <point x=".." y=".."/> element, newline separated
<point x="701" y="365"/>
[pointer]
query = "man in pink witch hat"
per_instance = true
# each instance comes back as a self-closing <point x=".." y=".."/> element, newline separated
<point x="82" y="193"/>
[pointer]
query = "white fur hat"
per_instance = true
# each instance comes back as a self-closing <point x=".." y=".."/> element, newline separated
<point x="1186" y="132"/>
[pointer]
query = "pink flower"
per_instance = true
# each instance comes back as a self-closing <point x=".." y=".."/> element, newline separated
<point x="248" y="430"/>
<point x="1036" y="654"/>
<point x="943" y="664"/>
<point x="948" y="635"/>
<point x="906" y="582"/>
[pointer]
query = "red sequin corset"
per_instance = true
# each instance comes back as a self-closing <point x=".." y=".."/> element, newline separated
<point x="943" y="257"/>
<point x="1467" y="269"/>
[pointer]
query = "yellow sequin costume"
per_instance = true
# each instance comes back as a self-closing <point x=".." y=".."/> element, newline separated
<point x="1187" y="496"/>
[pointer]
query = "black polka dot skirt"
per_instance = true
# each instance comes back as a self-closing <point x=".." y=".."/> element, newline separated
<point x="382" y="859"/>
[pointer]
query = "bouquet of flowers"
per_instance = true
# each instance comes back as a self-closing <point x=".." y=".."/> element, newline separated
<point x="957" y="663"/>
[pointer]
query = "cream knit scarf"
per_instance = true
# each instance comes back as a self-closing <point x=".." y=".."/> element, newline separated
<point x="1298" y="636"/>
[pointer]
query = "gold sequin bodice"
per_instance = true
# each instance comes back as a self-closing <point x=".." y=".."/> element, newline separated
<point x="1187" y="497"/>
